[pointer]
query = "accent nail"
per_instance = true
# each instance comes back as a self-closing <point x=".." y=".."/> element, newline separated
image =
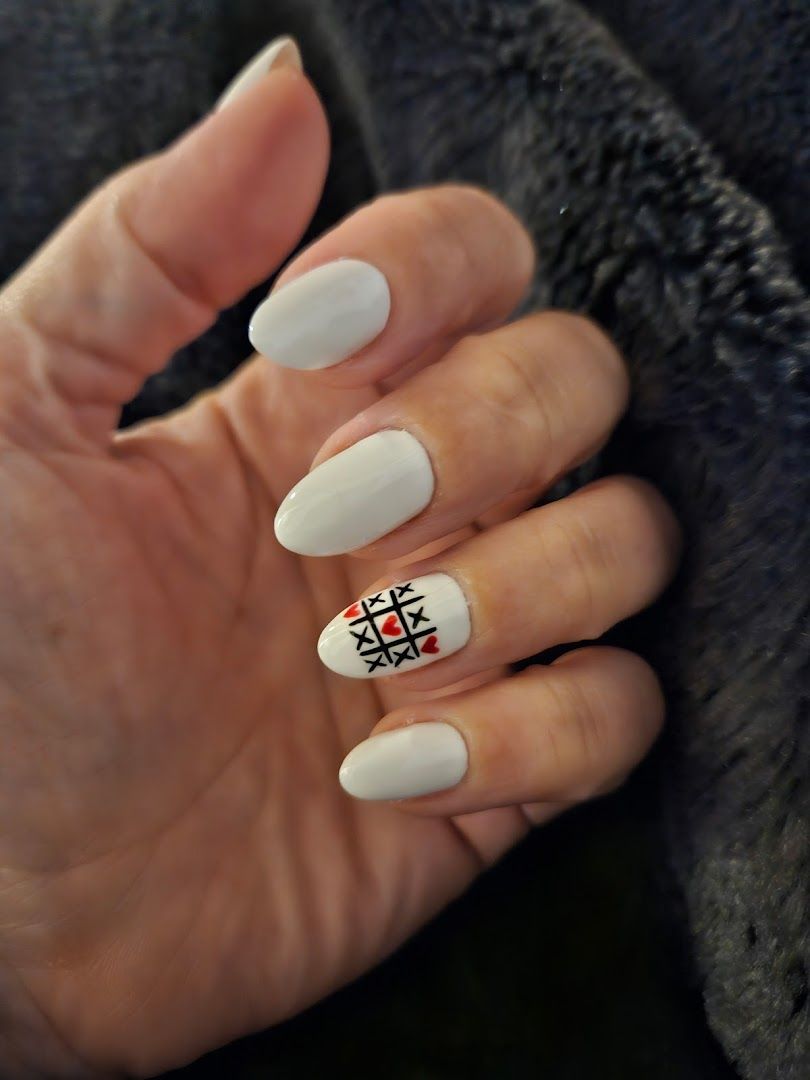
<point x="281" y="52"/>
<point x="400" y="628"/>
<point x="408" y="761"/>
<point x="357" y="496"/>
<point x="322" y="317"/>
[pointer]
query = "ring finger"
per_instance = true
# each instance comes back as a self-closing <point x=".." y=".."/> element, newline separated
<point x="562" y="573"/>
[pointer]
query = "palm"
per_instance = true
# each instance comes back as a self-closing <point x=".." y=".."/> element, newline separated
<point x="205" y="873"/>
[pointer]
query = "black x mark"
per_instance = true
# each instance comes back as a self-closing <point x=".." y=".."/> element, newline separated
<point x="402" y="589"/>
<point x="417" y="616"/>
<point x="404" y="654"/>
<point x="375" y="663"/>
<point x="362" y="638"/>
<point x="372" y="600"/>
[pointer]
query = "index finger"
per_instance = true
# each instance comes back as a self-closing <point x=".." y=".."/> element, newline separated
<point x="394" y="278"/>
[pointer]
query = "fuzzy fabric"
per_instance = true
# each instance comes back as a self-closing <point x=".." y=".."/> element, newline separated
<point x="739" y="73"/>
<point x="633" y="162"/>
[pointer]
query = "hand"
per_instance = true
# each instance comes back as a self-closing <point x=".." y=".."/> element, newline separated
<point x="180" y="864"/>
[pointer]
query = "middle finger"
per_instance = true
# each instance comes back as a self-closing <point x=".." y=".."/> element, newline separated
<point x="501" y="417"/>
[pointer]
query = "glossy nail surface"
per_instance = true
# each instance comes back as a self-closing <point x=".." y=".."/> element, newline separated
<point x="322" y="317"/>
<point x="408" y="761"/>
<point x="406" y="626"/>
<point x="357" y="496"/>
<point x="282" y="52"/>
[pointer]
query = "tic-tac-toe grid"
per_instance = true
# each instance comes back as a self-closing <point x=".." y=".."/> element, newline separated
<point x="371" y="643"/>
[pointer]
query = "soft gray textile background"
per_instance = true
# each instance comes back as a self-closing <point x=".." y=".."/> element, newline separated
<point x="637" y="198"/>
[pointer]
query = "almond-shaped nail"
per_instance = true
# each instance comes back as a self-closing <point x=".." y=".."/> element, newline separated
<point x="406" y="626"/>
<point x="323" y="317"/>
<point x="281" y="52"/>
<point x="408" y="761"/>
<point x="357" y="496"/>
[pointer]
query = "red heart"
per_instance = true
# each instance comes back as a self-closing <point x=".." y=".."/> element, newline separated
<point x="391" y="626"/>
<point x="431" y="645"/>
<point x="352" y="612"/>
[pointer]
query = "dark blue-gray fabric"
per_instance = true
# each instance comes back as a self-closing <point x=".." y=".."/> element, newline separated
<point x="635" y="160"/>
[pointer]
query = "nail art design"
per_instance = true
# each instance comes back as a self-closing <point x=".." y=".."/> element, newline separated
<point x="399" y="764"/>
<point x="357" y="496"/>
<point x="282" y="51"/>
<point x="406" y="626"/>
<point x="323" y="317"/>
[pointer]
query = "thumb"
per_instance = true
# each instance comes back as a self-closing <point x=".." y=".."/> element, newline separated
<point x="147" y="261"/>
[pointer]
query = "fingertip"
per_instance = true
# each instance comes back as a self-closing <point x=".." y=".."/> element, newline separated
<point x="283" y="106"/>
<point x="281" y="52"/>
<point x="318" y="320"/>
<point x="405" y="762"/>
<point x="232" y="197"/>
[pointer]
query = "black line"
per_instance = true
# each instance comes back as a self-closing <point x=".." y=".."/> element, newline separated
<point x="381" y="611"/>
<point x="383" y="644"/>
<point x="387" y="647"/>
<point x="404" y="622"/>
<point x="410" y="637"/>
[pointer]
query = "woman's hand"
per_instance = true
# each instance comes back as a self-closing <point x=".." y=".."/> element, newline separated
<point x="179" y="862"/>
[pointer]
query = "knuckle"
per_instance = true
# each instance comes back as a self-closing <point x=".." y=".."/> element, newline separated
<point x="477" y="203"/>
<point x="466" y="201"/>
<point x="121" y="200"/>
<point x="475" y="243"/>
<point x="499" y="756"/>
<point x="457" y="249"/>
<point x="648" y="694"/>
<point x="650" y="532"/>
<point x="583" y="568"/>
<point x="596" y="357"/>
<point x="659" y="514"/>
<point x="520" y="405"/>
<point x="425" y="224"/>
<point x="605" y="357"/>
<point x="539" y="382"/>
<point x="577" y="735"/>
<point x="627" y="708"/>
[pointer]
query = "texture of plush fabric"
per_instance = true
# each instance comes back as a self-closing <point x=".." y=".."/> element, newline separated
<point x="633" y="159"/>
<point x="738" y="73"/>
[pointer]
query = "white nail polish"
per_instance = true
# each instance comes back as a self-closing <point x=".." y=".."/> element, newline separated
<point x="357" y="496"/>
<point x="322" y="317"/>
<point x="283" y="51"/>
<point x="408" y="761"/>
<point x="400" y="628"/>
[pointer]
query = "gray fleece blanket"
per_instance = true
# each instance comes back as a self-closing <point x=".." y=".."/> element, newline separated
<point x="658" y="151"/>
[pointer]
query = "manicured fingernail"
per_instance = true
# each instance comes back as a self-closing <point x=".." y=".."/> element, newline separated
<point x="282" y="52"/>
<point x="322" y="317"/>
<point x="408" y="761"/>
<point x="406" y="626"/>
<point x="357" y="496"/>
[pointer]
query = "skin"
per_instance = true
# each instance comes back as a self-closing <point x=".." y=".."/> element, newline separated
<point x="178" y="862"/>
